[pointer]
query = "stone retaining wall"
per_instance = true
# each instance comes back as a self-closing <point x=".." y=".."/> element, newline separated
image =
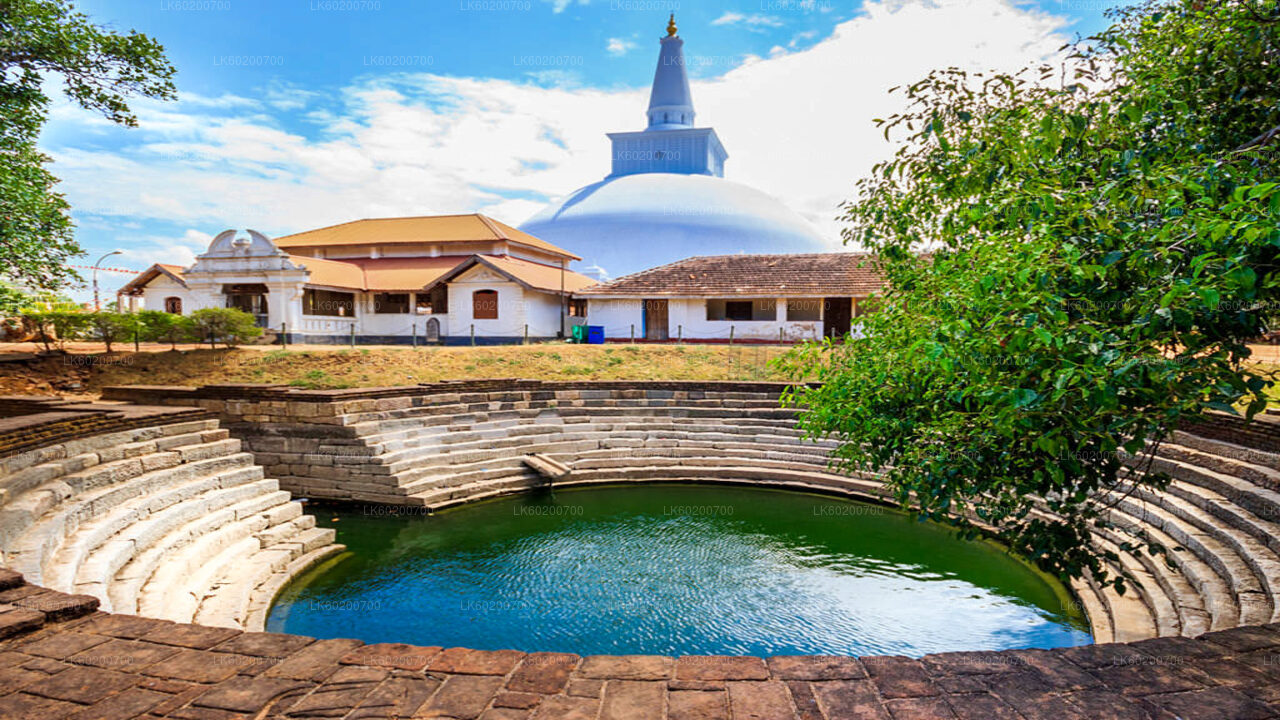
<point x="326" y="444"/>
<point x="446" y="443"/>
<point x="58" y="657"/>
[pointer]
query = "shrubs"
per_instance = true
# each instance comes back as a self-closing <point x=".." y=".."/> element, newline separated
<point x="56" y="324"/>
<point x="110" y="327"/>
<point x="158" y="326"/>
<point x="229" y="325"/>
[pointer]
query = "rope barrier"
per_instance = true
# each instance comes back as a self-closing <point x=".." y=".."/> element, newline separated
<point x="107" y="269"/>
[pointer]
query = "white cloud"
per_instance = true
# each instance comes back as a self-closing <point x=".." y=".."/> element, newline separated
<point x="797" y="125"/>
<point x="145" y="251"/>
<point x="801" y="37"/>
<point x="560" y="6"/>
<point x="619" y="46"/>
<point x="754" y="20"/>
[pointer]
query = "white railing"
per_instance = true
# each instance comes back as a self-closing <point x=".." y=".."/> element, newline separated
<point x="325" y="325"/>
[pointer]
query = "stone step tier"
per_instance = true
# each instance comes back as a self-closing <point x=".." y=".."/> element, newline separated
<point x="168" y="519"/>
<point x="442" y="445"/>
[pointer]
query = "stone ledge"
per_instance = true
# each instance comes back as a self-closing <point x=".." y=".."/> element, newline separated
<point x="36" y="423"/>
<point x="95" y="664"/>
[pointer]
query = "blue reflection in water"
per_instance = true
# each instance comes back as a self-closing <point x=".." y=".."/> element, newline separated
<point x="672" y="569"/>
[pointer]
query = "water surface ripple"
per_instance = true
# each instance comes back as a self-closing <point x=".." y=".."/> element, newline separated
<point x="674" y="570"/>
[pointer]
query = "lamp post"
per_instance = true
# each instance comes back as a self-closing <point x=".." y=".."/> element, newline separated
<point x="97" y="305"/>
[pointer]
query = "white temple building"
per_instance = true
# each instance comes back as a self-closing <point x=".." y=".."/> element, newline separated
<point x="666" y="197"/>
<point x="455" y="279"/>
<point x="702" y="258"/>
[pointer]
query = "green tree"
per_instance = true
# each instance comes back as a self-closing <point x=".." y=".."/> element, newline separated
<point x="101" y="69"/>
<point x="110" y="327"/>
<point x="57" y="323"/>
<point x="1076" y="257"/>
<point x="12" y="300"/>
<point x="159" y="326"/>
<point x="229" y="325"/>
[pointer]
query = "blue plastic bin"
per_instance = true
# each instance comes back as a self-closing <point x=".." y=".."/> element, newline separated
<point x="595" y="334"/>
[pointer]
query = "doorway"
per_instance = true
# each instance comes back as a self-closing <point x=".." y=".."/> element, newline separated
<point x="655" y="320"/>
<point x="837" y="316"/>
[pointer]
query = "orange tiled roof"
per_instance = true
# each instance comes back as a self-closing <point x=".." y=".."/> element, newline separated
<point x="788" y="275"/>
<point x="379" y="274"/>
<point x="332" y="273"/>
<point x="539" y="276"/>
<point x="548" y="278"/>
<point x="140" y="281"/>
<point x="408" y="274"/>
<point x="427" y="229"/>
<point x="404" y="273"/>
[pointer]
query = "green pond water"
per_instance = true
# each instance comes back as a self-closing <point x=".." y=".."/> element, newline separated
<point x="673" y="570"/>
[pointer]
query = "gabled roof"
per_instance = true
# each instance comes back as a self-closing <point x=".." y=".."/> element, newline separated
<point x="331" y="273"/>
<point x="136" y="285"/>
<point x="405" y="274"/>
<point x="425" y="229"/>
<point x="547" y="278"/>
<point x="787" y="275"/>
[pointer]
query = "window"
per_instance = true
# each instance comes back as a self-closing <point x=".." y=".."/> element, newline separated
<point x="249" y="297"/>
<point x="391" y="303"/>
<point x="484" y="305"/>
<point x="578" y="307"/>
<point x="435" y="302"/>
<point x="328" y="302"/>
<point x="804" y="309"/>
<point x="737" y="310"/>
<point x="173" y="305"/>
<point x="252" y="304"/>
<point x="765" y="310"/>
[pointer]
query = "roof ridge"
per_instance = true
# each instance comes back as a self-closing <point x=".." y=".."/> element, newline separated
<point x="375" y="219"/>
<point x="488" y="222"/>
<point x="550" y="246"/>
<point x="531" y="262"/>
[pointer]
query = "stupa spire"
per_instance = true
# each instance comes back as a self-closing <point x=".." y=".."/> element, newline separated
<point x="670" y="102"/>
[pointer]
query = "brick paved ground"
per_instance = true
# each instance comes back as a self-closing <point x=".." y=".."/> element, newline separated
<point x="60" y="658"/>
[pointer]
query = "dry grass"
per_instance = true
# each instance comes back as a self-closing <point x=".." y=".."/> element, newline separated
<point x="323" y="368"/>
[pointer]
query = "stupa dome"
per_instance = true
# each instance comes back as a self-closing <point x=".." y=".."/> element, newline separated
<point x="631" y="222"/>
<point x="666" y="198"/>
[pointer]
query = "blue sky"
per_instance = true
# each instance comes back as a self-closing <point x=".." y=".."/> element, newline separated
<point x="301" y="113"/>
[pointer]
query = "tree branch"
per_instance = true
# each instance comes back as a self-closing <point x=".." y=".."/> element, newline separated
<point x="1262" y="139"/>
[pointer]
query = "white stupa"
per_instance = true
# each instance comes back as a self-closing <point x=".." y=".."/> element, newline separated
<point x="667" y="198"/>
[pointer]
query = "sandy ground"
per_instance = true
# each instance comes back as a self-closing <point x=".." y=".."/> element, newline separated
<point x="84" y="370"/>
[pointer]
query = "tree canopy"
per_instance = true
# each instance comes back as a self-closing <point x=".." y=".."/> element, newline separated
<point x="1076" y="256"/>
<point x="101" y="69"/>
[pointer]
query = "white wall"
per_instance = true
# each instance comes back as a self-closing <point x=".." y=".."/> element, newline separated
<point x="402" y="324"/>
<point x="154" y="294"/>
<point x="689" y="316"/>
<point x="516" y="307"/>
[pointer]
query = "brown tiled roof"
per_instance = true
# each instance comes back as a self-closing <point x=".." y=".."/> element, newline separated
<point x="790" y="275"/>
<point x="428" y="229"/>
